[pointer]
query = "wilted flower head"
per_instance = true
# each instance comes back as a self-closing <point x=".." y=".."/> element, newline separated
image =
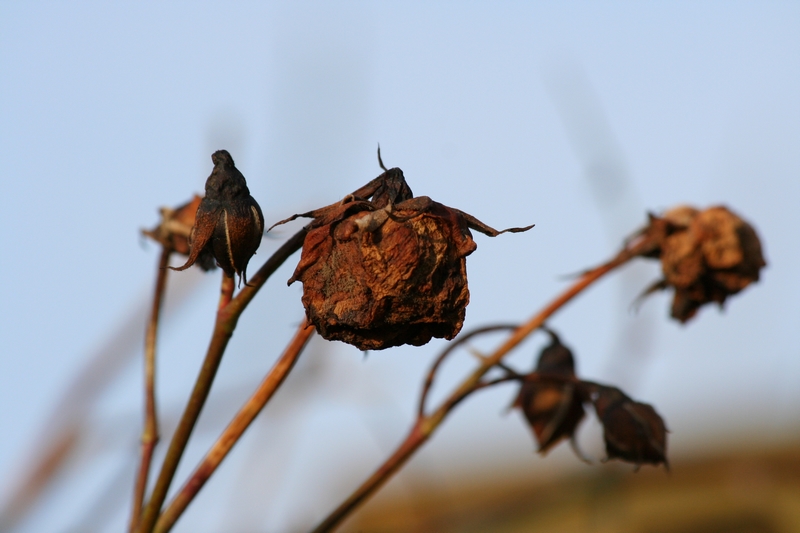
<point x="553" y="409"/>
<point x="228" y="223"/>
<point x="633" y="431"/>
<point x="705" y="256"/>
<point x="389" y="270"/>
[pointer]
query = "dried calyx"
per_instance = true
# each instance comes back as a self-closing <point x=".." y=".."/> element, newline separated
<point x="383" y="268"/>
<point x="705" y="256"/>
<point x="551" y="398"/>
<point x="228" y="223"/>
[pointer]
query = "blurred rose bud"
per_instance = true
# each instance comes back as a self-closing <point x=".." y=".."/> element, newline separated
<point x="553" y="409"/>
<point x="174" y="230"/>
<point x="387" y="271"/>
<point x="705" y="256"/>
<point x="228" y="223"/>
<point x="633" y="431"/>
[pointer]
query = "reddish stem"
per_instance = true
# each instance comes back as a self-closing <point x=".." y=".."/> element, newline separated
<point x="150" y="431"/>
<point x="227" y="317"/>
<point x="223" y="330"/>
<point x="235" y="429"/>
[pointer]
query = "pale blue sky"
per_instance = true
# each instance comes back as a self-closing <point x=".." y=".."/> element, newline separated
<point x="517" y="113"/>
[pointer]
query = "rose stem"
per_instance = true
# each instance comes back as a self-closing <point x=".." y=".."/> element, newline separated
<point x="447" y="351"/>
<point x="424" y="426"/>
<point x="150" y="430"/>
<point x="227" y="316"/>
<point x="235" y="429"/>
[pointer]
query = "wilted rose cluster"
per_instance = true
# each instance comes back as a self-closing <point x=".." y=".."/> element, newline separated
<point x="705" y="256"/>
<point x="552" y="400"/>
<point x="382" y="268"/>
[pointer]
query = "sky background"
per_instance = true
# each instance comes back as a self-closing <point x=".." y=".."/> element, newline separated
<point x="576" y="116"/>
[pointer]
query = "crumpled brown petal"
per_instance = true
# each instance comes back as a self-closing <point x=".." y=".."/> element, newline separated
<point x="552" y="409"/>
<point x="387" y="271"/>
<point x="706" y="256"/>
<point x="633" y="431"/>
<point x="228" y="222"/>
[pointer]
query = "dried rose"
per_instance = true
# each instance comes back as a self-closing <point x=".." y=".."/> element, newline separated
<point x="229" y="223"/>
<point x="705" y="256"/>
<point x="633" y="431"/>
<point x="553" y="409"/>
<point x="387" y="271"/>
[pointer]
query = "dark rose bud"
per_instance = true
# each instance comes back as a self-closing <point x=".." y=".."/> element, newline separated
<point x="553" y="409"/>
<point x="174" y="230"/>
<point x="387" y="271"/>
<point x="633" y="431"/>
<point x="705" y="256"/>
<point x="228" y="224"/>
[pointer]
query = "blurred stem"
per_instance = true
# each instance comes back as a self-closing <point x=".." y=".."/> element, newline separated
<point x="227" y="317"/>
<point x="235" y="429"/>
<point x="425" y="425"/>
<point x="464" y="337"/>
<point x="150" y="432"/>
<point x="48" y="464"/>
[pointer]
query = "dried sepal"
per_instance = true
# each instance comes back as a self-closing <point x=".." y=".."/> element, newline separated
<point x="633" y="431"/>
<point x="706" y="256"/>
<point x="174" y="229"/>
<point x="382" y="268"/>
<point x="553" y="408"/>
<point x="228" y="222"/>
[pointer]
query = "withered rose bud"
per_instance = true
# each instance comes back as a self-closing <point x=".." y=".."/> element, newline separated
<point x="553" y="409"/>
<point x="387" y="271"/>
<point x="228" y="223"/>
<point x="705" y="256"/>
<point x="633" y="431"/>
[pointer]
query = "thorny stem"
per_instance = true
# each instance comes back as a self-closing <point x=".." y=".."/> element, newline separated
<point x="425" y="425"/>
<point x="227" y="318"/>
<point x="235" y="429"/>
<point x="150" y="432"/>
